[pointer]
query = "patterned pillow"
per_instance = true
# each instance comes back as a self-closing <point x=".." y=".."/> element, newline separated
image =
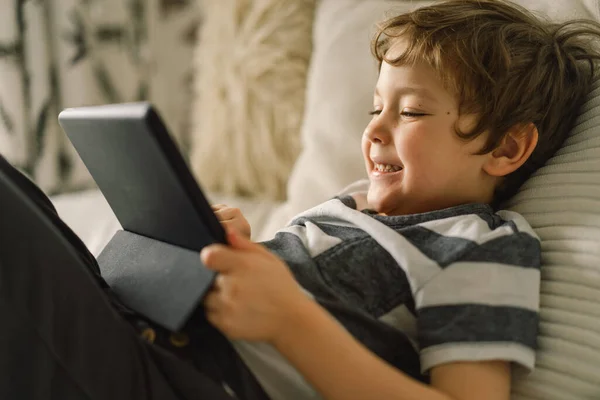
<point x="76" y="53"/>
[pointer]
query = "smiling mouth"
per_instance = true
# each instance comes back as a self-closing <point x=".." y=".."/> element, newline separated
<point x="386" y="168"/>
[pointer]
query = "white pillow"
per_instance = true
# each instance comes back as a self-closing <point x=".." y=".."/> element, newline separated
<point x="339" y="96"/>
<point x="562" y="203"/>
<point x="562" y="200"/>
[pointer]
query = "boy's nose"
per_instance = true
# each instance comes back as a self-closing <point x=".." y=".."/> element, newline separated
<point x="378" y="132"/>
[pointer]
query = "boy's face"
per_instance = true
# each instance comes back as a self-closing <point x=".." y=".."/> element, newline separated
<point x="415" y="160"/>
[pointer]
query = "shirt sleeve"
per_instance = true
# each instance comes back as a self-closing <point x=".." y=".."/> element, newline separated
<point x="483" y="306"/>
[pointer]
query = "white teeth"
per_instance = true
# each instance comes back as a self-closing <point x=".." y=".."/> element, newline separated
<point x="387" y="168"/>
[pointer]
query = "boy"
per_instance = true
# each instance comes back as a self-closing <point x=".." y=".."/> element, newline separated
<point x="414" y="289"/>
<point x="472" y="97"/>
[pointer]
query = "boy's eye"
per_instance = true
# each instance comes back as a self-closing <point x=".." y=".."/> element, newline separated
<point x="411" y="114"/>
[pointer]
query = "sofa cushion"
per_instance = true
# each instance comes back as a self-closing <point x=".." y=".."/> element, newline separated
<point x="251" y="64"/>
<point x="562" y="203"/>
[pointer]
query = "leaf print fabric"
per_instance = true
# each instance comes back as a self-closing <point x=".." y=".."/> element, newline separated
<point x="72" y="53"/>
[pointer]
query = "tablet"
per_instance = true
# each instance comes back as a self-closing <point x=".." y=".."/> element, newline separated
<point x="141" y="173"/>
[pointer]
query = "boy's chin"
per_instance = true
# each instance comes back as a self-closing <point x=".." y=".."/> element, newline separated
<point x="382" y="203"/>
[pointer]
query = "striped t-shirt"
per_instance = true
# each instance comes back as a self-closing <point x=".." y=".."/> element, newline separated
<point x="459" y="284"/>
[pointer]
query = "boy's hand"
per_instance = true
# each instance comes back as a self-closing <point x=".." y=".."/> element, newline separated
<point x="254" y="293"/>
<point x="231" y="217"/>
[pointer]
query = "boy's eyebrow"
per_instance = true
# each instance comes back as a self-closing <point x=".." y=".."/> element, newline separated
<point x="407" y="90"/>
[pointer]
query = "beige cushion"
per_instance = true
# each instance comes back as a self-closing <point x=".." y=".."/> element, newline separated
<point x="251" y="65"/>
<point x="562" y="201"/>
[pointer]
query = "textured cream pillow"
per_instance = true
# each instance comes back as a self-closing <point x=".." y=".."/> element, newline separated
<point x="562" y="203"/>
<point x="251" y="65"/>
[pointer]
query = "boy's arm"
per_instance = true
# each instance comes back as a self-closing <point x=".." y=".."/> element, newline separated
<point x="252" y="298"/>
<point x="340" y="367"/>
<point x="490" y="315"/>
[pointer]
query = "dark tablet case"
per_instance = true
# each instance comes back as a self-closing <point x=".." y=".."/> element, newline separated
<point x="153" y="265"/>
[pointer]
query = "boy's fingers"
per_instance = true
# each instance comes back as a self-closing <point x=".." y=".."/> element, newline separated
<point x="217" y="207"/>
<point x="240" y="242"/>
<point x="225" y="214"/>
<point x="221" y="258"/>
<point x="212" y="301"/>
<point x="229" y="224"/>
<point x="216" y="257"/>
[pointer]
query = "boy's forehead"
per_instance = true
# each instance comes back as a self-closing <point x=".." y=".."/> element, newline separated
<point x="416" y="76"/>
<point x="402" y="88"/>
<point x="415" y="79"/>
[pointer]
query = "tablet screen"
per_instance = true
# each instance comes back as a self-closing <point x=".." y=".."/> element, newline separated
<point x="143" y="176"/>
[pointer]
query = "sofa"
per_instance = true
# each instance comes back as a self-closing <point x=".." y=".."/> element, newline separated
<point x="561" y="201"/>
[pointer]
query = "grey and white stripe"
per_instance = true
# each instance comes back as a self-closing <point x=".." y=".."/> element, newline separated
<point x="460" y="284"/>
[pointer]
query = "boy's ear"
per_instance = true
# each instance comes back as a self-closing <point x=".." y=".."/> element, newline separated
<point x="514" y="149"/>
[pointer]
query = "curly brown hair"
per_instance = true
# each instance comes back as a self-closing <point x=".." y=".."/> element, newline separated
<point x="505" y="65"/>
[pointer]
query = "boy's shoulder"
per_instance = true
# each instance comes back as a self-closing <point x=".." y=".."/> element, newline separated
<point x="474" y="221"/>
<point x="449" y="232"/>
<point x="470" y="220"/>
<point x="476" y="233"/>
<point x="470" y="232"/>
